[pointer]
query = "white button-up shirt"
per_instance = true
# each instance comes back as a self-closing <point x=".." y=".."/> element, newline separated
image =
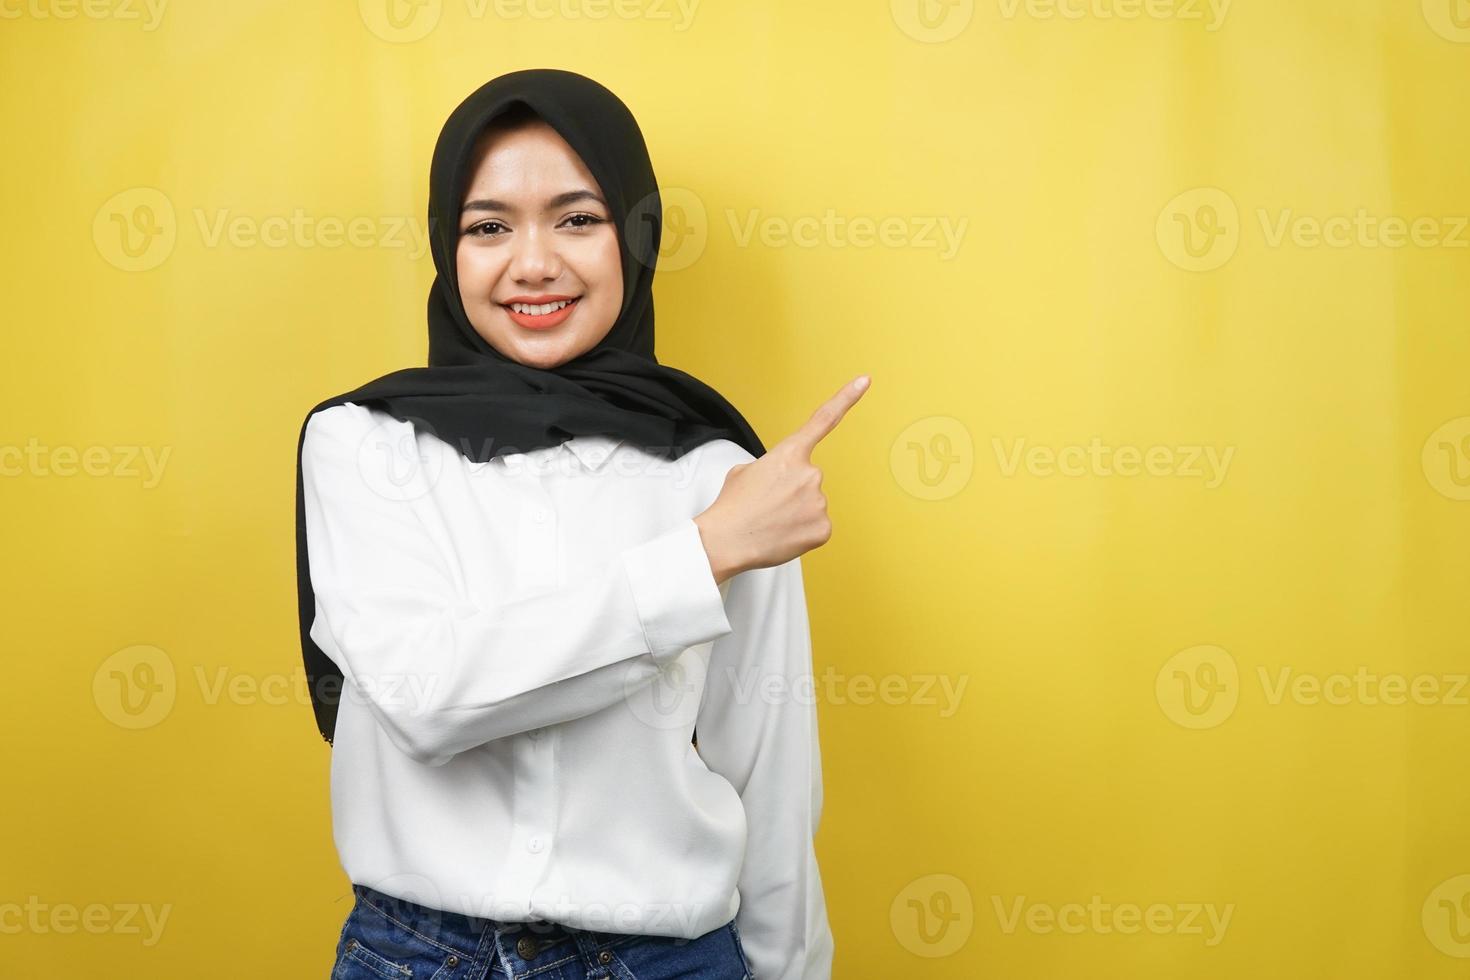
<point x="528" y="644"/>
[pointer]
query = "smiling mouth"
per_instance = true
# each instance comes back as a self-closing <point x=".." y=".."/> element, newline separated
<point x="541" y="316"/>
<point x="539" y="309"/>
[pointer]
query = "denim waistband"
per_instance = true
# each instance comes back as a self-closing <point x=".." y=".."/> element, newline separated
<point x="465" y="935"/>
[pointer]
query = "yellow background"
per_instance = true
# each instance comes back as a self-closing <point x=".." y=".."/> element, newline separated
<point x="1080" y="610"/>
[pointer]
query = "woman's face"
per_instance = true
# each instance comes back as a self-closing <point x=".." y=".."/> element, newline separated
<point x="535" y="230"/>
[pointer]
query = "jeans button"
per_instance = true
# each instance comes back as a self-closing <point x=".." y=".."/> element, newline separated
<point x="604" y="957"/>
<point x="526" y="946"/>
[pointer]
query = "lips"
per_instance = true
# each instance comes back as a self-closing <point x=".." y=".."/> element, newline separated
<point x="557" y="309"/>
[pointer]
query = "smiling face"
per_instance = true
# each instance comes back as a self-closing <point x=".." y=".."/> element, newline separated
<point x="540" y="273"/>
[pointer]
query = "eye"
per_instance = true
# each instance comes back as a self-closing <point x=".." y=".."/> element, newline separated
<point x="481" y="230"/>
<point x="584" y="220"/>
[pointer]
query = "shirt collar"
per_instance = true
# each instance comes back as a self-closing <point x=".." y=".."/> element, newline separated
<point x="592" y="451"/>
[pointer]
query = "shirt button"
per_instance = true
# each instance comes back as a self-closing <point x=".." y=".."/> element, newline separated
<point x="540" y="515"/>
<point x="534" y="845"/>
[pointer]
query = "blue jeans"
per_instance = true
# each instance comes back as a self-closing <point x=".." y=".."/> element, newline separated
<point x="387" y="938"/>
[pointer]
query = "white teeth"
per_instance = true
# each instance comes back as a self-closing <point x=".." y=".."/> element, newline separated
<point x="539" y="309"/>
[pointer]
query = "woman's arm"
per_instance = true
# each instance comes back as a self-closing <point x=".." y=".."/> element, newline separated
<point x="757" y="727"/>
<point x="443" y="672"/>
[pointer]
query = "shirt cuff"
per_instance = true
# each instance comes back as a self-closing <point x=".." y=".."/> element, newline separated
<point x="674" y="589"/>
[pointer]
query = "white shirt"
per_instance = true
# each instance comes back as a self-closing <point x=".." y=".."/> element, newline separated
<point x="527" y="645"/>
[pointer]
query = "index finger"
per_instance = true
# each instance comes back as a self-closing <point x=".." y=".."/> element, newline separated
<point x="826" y="417"/>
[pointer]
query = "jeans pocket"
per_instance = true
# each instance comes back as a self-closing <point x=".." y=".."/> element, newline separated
<point x="375" y="946"/>
<point x="713" y="956"/>
<point x="358" y="962"/>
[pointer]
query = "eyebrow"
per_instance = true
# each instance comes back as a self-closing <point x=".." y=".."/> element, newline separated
<point x="560" y="201"/>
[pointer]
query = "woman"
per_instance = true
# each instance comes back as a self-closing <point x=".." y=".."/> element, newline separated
<point x="551" y="604"/>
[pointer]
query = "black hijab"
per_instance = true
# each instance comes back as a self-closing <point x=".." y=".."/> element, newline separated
<point x="484" y="404"/>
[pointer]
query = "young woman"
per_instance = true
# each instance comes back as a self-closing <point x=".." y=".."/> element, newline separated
<point x="551" y="600"/>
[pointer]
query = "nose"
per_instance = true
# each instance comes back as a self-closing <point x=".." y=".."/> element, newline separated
<point x="534" y="260"/>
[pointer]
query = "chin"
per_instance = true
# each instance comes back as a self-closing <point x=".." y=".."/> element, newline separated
<point x="543" y="358"/>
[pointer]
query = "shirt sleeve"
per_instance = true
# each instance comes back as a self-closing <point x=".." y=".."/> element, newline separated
<point x="442" y="671"/>
<point x="758" y="728"/>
